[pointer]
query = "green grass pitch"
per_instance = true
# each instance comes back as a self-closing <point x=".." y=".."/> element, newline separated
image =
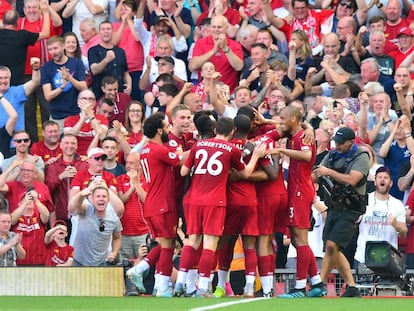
<point x="154" y="304"/>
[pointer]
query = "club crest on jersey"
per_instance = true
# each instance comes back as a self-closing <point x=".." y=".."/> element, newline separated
<point x="173" y="143"/>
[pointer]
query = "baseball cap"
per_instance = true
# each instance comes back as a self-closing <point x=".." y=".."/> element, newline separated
<point x="166" y="58"/>
<point x="344" y="134"/>
<point x="160" y="18"/>
<point x="59" y="222"/>
<point x="95" y="152"/>
<point x="405" y="31"/>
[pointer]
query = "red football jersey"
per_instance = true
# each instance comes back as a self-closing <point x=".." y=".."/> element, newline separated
<point x="41" y="150"/>
<point x="212" y="160"/>
<point x="133" y="222"/>
<point x="241" y="192"/>
<point x="300" y="172"/>
<point x="33" y="240"/>
<point x="158" y="164"/>
<point x="56" y="254"/>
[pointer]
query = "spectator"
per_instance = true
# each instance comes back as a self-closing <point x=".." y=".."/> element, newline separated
<point x="21" y="141"/>
<point x="86" y="125"/>
<point x="81" y="10"/>
<point x="121" y="100"/>
<point x="14" y="43"/>
<point x="111" y="148"/>
<point x="405" y="46"/>
<point x="395" y="22"/>
<point x="33" y="21"/>
<point x="131" y="191"/>
<point x="58" y="252"/>
<point x="396" y="150"/>
<point x="161" y="27"/>
<point x="6" y="132"/>
<point x="59" y="174"/>
<point x="98" y="226"/>
<point x="62" y="80"/>
<point x="376" y="49"/>
<point x="151" y="70"/>
<point x="221" y="7"/>
<point x="17" y="95"/>
<point x="384" y="219"/>
<point x="10" y="242"/>
<point x="224" y="53"/>
<point x="134" y="119"/>
<point x="48" y="148"/>
<point x="88" y="31"/>
<point x="106" y="58"/>
<point x="127" y="38"/>
<point x="73" y="49"/>
<point x="30" y="217"/>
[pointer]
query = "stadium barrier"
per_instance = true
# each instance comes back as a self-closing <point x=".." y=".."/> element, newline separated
<point x="62" y="281"/>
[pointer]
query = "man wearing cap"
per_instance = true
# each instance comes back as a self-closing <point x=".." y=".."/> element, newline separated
<point x="384" y="219"/>
<point x="162" y="24"/>
<point x="94" y="172"/>
<point x="343" y="174"/>
<point x="405" y="46"/>
<point x="151" y="71"/>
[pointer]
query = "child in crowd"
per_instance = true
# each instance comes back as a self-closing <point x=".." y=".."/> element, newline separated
<point x="58" y="252"/>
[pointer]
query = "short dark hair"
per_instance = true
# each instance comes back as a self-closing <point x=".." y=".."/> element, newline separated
<point x="224" y="126"/>
<point x="109" y="138"/>
<point x="107" y="101"/>
<point x="49" y="123"/>
<point x="109" y="79"/>
<point x="242" y="123"/>
<point x="205" y="122"/>
<point x="167" y="78"/>
<point x="383" y="169"/>
<point x="260" y="45"/>
<point x="376" y="19"/>
<point x="169" y="89"/>
<point x="247" y="111"/>
<point x="153" y="123"/>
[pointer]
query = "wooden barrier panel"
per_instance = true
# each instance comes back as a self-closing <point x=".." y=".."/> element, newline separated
<point x="62" y="281"/>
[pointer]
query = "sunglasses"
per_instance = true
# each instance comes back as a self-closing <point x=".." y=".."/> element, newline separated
<point x="101" y="225"/>
<point x="347" y="5"/>
<point x="19" y="141"/>
<point x="101" y="158"/>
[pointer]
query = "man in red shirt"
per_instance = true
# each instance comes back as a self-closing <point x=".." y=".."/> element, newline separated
<point x="221" y="8"/>
<point x="224" y="53"/>
<point x="301" y="194"/>
<point x="131" y="191"/>
<point x="121" y="101"/>
<point x="35" y="12"/>
<point x="395" y="22"/>
<point x="212" y="160"/>
<point x="160" y="208"/>
<point x="86" y="125"/>
<point x="59" y="174"/>
<point x="48" y="148"/>
<point x="15" y="190"/>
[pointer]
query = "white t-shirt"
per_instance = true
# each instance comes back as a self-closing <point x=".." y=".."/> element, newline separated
<point x="375" y="226"/>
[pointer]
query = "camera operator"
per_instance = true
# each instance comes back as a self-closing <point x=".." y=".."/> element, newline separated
<point x="342" y="176"/>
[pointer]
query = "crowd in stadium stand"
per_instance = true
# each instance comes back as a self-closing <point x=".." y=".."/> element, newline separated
<point x="157" y="135"/>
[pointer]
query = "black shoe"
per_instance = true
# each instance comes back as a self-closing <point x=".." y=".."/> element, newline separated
<point x="351" y="291"/>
